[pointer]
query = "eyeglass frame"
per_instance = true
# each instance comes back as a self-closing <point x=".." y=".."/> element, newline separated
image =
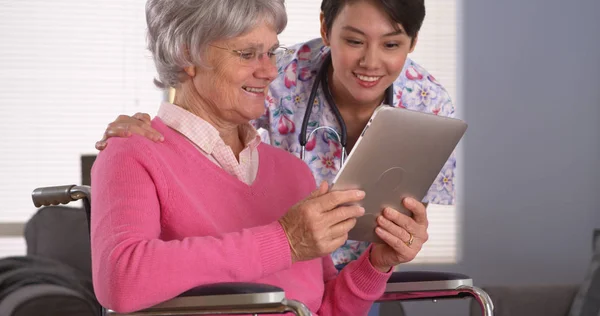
<point x="240" y="52"/>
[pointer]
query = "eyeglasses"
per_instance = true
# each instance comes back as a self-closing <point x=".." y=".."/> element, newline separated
<point x="252" y="56"/>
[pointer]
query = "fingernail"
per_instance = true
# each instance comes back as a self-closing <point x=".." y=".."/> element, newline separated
<point x="387" y="212"/>
<point x="362" y="210"/>
<point x="360" y="193"/>
<point x="162" y="138"/>
<point x="409" y="202"/>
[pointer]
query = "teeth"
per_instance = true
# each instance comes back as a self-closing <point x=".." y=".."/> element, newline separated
<point x="367" y="78"/>
<point x="253" y="90"/>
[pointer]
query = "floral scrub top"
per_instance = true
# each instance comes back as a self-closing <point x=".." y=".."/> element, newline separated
<point x="415" y="89"/>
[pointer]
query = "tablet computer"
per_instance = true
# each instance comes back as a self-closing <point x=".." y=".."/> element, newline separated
<point x="399" y="154"/>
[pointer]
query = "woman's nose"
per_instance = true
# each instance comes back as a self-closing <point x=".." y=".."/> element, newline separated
<point x="267" y="69"/>
<point x="370" y="58"/>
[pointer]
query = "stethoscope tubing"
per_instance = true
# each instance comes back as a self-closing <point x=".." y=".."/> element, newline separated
<point x="322" y="79"/>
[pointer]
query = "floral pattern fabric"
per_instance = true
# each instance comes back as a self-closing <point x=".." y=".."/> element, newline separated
<point x="415" y="89"/>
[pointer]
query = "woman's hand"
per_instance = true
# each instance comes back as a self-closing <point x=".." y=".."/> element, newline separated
<point x="125" y="125"/>
<point x="318" y="225"/>
<point x="403" y="235"/>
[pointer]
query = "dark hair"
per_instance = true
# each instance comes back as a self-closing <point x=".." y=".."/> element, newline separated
<point x="408" y="13"/>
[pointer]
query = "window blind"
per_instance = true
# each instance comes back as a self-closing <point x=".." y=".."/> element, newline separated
<point x="69" y="67"/>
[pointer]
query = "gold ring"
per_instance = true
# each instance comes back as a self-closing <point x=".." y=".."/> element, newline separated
<point x="411" y="240"/>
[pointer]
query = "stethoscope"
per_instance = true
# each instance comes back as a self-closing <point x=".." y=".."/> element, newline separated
<point x="323" y="79"/>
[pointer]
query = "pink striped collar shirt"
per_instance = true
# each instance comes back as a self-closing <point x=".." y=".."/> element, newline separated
<point x="206" y="138"/>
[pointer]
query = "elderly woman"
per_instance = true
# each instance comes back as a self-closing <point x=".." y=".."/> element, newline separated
<point x="211" y="203"/>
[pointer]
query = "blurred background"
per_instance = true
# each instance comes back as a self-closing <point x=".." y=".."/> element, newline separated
<point x="525" y="75"/>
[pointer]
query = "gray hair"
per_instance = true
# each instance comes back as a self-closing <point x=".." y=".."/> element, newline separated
<point x="179" y="31"/>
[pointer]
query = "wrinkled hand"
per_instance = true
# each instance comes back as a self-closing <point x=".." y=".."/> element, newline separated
<point x="318" y="225"/>
<point x="126" y="125"/>
<point x="395" y="229"/>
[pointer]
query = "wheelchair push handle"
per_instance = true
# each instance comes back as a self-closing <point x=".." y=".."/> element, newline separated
<point x="55" y="195"/>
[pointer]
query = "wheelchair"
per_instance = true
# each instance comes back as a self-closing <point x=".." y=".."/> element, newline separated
<point x="254" y="299"/>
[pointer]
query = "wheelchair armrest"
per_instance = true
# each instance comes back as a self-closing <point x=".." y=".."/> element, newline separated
<point x="421" y="285"/>
<point x="226" y="298"/>
<point x="224" y="294"/>
<point x="232" y="288"/>
<point x="547" y="300"/>
<point x="420" y="281"/>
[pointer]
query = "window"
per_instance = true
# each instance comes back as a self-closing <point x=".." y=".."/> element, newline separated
<point x="70" y="66"/>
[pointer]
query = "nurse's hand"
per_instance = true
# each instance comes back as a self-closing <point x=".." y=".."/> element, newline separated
<point x="126" y="125"/>
<point x="319" y="224"/>
<point x="403" y="235"/>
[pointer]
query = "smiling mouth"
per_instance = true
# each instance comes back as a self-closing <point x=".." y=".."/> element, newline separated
<point x="253" y="90"/>
<point x="367" y="78"/>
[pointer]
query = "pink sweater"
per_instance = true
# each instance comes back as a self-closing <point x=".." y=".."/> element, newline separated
<point x="165" y="219"/>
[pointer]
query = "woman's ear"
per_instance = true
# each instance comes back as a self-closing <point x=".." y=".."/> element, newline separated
<point x="190" y="71"/>
<point x="324" y="29"/>
<point x="413" y="44"/>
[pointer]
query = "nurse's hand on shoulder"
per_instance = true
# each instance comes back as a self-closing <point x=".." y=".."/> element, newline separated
<point x="125" y="126"/>
<point x="319" y="224"/>
<point x="403" y="235"/>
